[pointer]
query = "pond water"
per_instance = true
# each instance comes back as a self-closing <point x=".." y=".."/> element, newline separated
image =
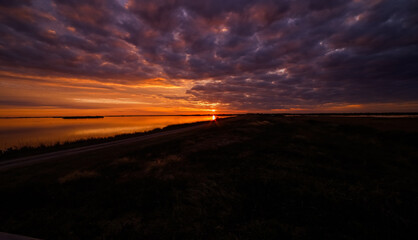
<point x="19" y="132"/>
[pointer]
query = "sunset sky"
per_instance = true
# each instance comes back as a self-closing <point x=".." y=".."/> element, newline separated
<point x="112" y="57"/>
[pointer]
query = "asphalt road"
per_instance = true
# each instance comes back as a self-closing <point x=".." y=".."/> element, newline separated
<point x="25" y="161"/>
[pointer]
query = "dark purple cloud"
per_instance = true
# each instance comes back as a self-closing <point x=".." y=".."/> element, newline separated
<point x="245" y="53"/>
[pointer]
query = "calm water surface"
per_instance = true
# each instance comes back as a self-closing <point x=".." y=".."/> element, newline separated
<point x="19" y="132"/>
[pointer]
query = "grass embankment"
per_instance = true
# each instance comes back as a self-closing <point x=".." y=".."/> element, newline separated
<point x="252" y="177"/>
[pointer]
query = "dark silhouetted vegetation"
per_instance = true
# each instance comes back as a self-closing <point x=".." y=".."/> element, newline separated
<point x="250" y="177"/>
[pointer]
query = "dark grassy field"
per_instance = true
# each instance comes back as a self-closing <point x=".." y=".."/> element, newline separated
<point x="250" y="177"/>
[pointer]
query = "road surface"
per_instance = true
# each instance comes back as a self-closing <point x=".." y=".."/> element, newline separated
<point x="8" y="236"/>
<point x="25" y="161"/>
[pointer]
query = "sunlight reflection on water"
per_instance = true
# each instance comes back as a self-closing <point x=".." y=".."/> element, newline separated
<point x="19" y="132"/>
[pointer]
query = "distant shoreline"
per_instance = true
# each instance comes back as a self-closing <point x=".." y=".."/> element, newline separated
<point x="227" y="114"/>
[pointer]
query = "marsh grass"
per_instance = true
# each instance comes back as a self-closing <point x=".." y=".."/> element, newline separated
<point x="77" y="175"/>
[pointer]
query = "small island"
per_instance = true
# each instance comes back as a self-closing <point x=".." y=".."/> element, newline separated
<point x="82" y="117"/>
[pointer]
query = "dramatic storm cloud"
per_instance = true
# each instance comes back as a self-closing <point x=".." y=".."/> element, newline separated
<point x="249" y="55"/>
